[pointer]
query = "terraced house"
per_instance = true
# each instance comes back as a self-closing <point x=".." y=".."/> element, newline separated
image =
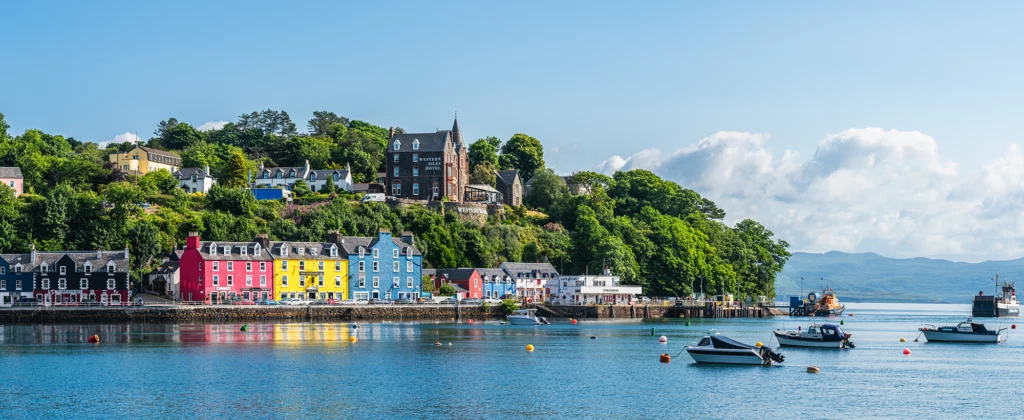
<point x="15" y="278"/>
<point x="310" y="270"/>
<point x="217" y="272"/>
<point x="384" y="267"/>
<point x="66" y="277"/>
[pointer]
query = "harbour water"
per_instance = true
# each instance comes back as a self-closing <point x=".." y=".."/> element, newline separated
<point x="395" y="370"/>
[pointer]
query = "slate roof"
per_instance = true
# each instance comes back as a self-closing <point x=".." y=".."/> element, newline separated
<point x="10" y="172"/>
<point x="491" y="272"/>
<point x="508" y="176"/>
<point x="351" y="244"/>
<point x="151" y="150"/>
<point x="514" y="269"/>
<point x="429" y="142"/>
<point x="186" y="173"/>
<point x="459" y="289"/>
<point x="457" y="134"/>
<point x="236" y="251"/>
<point x="300" y="172"/>
<point x="99" y="262"/>
<point x="168" y="267"/>
<point x="429" y="272"/>
<point x="458" y="274"/>
<point x="325" y="173"/>
<point x="310" y="251"/>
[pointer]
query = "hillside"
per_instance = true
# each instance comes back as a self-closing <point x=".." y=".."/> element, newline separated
<point x="874" y="278"/>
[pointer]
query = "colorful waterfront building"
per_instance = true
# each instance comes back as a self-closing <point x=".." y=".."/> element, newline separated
<point x="310" y="270"/>
<point x="530" y="279"/>
<point x="384" y="267"/>
<point x="466" y="278"/>
<point x="15" y="278"/>
<point x="498" y="284"/>
<point x="66" y="277"/>
<point x="215" y="272"/>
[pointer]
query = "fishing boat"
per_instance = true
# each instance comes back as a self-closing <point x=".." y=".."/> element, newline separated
<point x="715" y="348"/>
<point x="816" y="335"/>
<point x="1001" y="305"/>
<point x="964" y="332"/>
<point x="526" y="317"/>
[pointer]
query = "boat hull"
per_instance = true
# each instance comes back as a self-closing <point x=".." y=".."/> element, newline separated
<point x="786" y="340"/>
<point x="522" y="320"/>
<point x="725" y="356"/>
<point x="955" y="337"/>
<point x="1008" y="311"/>
<point x="830" y="312"/>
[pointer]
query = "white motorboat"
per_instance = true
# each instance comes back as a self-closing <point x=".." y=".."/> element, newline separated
<point x="816" y="335"/>
<point x="526" y="317"/>
<point x="964" y="332"/>
<point x="714" y="348"/>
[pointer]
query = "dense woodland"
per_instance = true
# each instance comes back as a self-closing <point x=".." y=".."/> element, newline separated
<point x="647" y="230"/>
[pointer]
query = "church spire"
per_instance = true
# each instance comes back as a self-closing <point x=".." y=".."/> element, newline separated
<point x="456" y="132"/>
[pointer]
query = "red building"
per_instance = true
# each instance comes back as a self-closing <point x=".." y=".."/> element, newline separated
<point x="467" y="278"/>
<point x="215" y="272"/>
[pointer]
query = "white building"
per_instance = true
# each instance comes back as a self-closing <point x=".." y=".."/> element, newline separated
<point x="166" y="280"/>
<point x="585" y="290"/>
<point x="315" y="178"/>
<point x="195" y="180"/>
<point x="530" y="279"/>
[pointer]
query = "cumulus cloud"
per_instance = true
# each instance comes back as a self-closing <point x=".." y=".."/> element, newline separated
<point x="211" y="125"/>
<point x="865" y="189"/>
<point x="121" y="138"/>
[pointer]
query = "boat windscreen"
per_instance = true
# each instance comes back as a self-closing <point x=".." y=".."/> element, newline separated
<point x="721" y="342"/>
<point x="978" y="328"/>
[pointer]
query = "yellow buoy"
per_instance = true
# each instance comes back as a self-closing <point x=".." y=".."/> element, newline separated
<point x="903" y="340"/>
<point x="758" y="344"/>
<point x="353" y="339"/>
<point x="813" y="369"/>
<point x="529" y="347"/>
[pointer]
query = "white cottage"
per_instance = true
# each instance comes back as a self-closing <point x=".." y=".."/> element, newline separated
<point x="195" y="180"/>
<point x="315" y="178"/>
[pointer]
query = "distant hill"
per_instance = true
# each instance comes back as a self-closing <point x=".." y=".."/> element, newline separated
<point x="873" y="278"/>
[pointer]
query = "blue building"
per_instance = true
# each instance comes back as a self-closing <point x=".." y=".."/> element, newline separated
<point x="498" y="284"/>
<point x="15" y="278"/>
<point x="384" y="267"/>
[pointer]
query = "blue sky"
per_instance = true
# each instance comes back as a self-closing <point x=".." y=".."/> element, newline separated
<point x="590" y="79"/>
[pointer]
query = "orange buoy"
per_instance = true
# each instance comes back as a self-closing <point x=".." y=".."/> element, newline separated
<point x="95" y="339"/>
<point x="437" y="343"/>
<point x="529" y="347"/>
<point x="906" y="351"/>
<point x="665" y="358"/>
<point x="353" y="339"/>
<point x="573" y="322"/>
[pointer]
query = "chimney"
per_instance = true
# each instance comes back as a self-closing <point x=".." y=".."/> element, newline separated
<point x="99" y="253"/>
<point x="192" y="242"/>
<point x="334" y="237"/>
<point x="207" y="170"/>
<point x="391" y="132"/>
<point x="307" y="167"/>
<point x="126" y="252"/>
<point x="264" y="240"/>
<point x="32" y="256"/>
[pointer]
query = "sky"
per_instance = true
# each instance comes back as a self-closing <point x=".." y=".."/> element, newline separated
<point x="863" y="127"/>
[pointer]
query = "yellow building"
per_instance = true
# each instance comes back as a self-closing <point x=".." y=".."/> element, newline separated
<point x="309" y="270"/>
<point x="143" y="160"/>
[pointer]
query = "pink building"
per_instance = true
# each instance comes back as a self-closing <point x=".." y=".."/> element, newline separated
<point x="216" y="272"/>
<point x="11" y="177"/>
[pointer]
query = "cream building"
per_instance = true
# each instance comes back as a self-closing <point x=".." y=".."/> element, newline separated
<point x="143" y="160"/>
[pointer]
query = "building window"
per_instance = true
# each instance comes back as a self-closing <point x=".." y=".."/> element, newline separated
<point x="284" y="250"/>
<point x="46" y="283"/>
<point x="216" y="280"/>
<point x="394" y="253"/>
<point x="243" y="250"/>
<point x="408" y="282"/>
<point x="216" y="266"/>
<point x="63" y="270"/>
<point x="362" y="282"/>
<point x="337" y="281"/>
<point x="87" y="267"/>
<point x="416" y="144"/>
<point x="415" y="171"/>
<point x="111" y="284"/>
<point x="231" y="266"/>
<point x="263" y="281"/>
<point x="263" y="266"/>
<point x="337" y="266"/>
<point x="396" y="170"/>
<point x="62" y="284"/>
<point x="408" y="252"/>
<point x="449" y="189"/>
<point x="248" y="281"/>
<point x="397" y="144"/>
<point x="449" y="171"/>
<point x="376" y="253"/>
<point x="394" y="267"/>
<point x="396" y="189"/>
<point x="415" y="188"/>
<point x="302" y="280"/>
<point x="226" y="250"/>
<point x="334" y="251"/>
<point x="415" y="157"/>
<point x="284" y="265"/>
<point x="394" y="281"/>
<point x="17" y="285"/>
<point x="302" y="266"/>
<point x="248" y="266"/>
<point x="320" y="281"/>
<point x="320" y="266"/>
<point x="3" y="270"/>
<point x="284" y="280"/>
<point x="231" y="280"/>
<point x="408" y="266"/>
<point x="376" y="282"/>
<point x="376" y="266"/>
<point x="435" y="189"/>
<point x="362" y="266"/>
<point x="396" y="157"/>
<point x="301" y="250"/>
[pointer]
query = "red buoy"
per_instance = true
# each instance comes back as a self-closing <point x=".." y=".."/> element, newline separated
<point x="906" y="351"/>
<point x="574" y="322"/>
<point x="95" y="339"/>
<point x="1013" y="327"/>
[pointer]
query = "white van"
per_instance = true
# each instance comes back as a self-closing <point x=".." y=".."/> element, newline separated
<point x="378" y="197"/>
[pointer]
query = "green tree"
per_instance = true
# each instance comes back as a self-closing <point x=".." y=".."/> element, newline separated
<point x="270" y="122"/>
<point x="483" y="151"/>
<point x="237" y="175"/>
<point x="160" y="181"/>
<point x="361" y="149"/>
<point x="546" y="190"/>
<point x="181" y="136"/>
<point x="321" y="122"/>
<point x="299" y="150"/>
<point x="524" y="153"/>
<point x="446" y="290"/>
<point x="301" y="188"/>
<point x="9" y="213"/>
<point x="328" y="187"/>
<point x="483" y="174"/>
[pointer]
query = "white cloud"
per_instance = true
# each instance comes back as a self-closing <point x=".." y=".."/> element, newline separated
<point x="121" y="138"/>
<point x="865" y="189"/>
<point x="211" y="125"/>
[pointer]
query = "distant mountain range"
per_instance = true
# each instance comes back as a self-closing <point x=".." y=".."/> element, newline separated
<point x="873" y="278"/>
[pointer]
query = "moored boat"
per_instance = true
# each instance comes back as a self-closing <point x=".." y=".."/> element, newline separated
<point x="526" y="317"/>
<point x="715" y="348"/>
<point x="964" y="332"/>
<point x="816" y="335"/>
<point x="1003" y="305"/>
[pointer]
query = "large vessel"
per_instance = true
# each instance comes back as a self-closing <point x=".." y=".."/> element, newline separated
<point x="1002" y="304"/>
<point x="714" y="348"/>
<point x="526" y="317"/>
<point x="816" y="335"/>
<point x="964" y="332"/>
<point x="827" y="305"/>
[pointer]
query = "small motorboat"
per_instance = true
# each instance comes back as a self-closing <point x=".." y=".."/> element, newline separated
<point x="964" y="332"/>
<point x="715" y="348"/>
<point x="526" y="317"/>
<point x="816" y="335"/>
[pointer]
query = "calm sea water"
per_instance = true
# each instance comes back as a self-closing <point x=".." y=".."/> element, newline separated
<point x="394" y="370"/>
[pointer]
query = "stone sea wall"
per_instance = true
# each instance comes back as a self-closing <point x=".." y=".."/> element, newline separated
<point x="244" y="313"/>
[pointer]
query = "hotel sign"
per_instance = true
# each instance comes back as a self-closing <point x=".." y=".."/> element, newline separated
<point x="433" y="163"/>
<point x="224" y="289"/>
<point x="65" y="292"/>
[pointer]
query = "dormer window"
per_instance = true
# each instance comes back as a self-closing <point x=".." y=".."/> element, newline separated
<point x="44" y="267"/>
<point x="257" y="250"/>
<point x="111" y="267"/>
<point x="300" y="250"/>
<point x="312" y="176"/>
<point x="337" y="176"/>
<point x="226" y="250"/>
<point x="87" y="267"/>
<point x="416" y="144"/>
<point x="266" y="175"/>
<point x="284" y="250"/>
<point x="244" y="250"/>
<point x="213" y="249"/>
<point x="334" y="250"/>
<point x="63" y="270"/>
<point x="291" y="173"/>
<point x="362" y="252"/>
<point x="278" y="174"/>
<point x="408" y="252"/>
<point x="398" y="144"/>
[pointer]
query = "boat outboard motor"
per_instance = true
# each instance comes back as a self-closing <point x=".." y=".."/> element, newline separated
<point x="767" y="353"/>
<point x="543" y="320"/>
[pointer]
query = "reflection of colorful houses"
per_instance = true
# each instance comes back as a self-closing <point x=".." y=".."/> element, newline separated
<point x="384" y="267"/>
<point x="66" y="277"/>
<point x="468" y="279"/>
<point x="310" y="270"/>
<point x="213" y="272"/>
<point x="498" y="284"/>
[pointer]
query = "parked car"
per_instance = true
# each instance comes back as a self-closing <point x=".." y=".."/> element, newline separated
<point x="405" y="301"/>
<point x="293" y="302"/>
<point x="242" y="302"/>
<point x="26" y="301"/>
<point x="379" y="302"/>
<point x="269" y="302"/>
<point x="350" y="302"/>
<point x="449" y="301"/>
<point x="643" y="299"/>
<point x="473" y="301"/>
<point x="378" y="197"/>
<point x="491" y="301"/>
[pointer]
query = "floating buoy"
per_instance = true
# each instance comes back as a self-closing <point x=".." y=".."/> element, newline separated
<point x="95" y="339"/>
<point x="903" y="340"/>
<point x="842" y="322"/>
<point x="906" y="351"/>
<point x="687" y="323"/>
<point x="245" y="327"/>
<point x="437" y="343"/>
<point x="449" y="344"/>
<point x="353" y="339"/>
<point x="470" y="321"/>
<point x="573" y="322"/>
<point x="662" y="339"/>
<point x="665" y="358"/>
<point x="1013" y="327"/>
<point x="529" y="347"/>
<point x="652" y="331"/>
<point x="593" y="338"/>
<point x="813" y="369"/>
<point x="758" y="344"/>
<point x="851" y="314"/>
